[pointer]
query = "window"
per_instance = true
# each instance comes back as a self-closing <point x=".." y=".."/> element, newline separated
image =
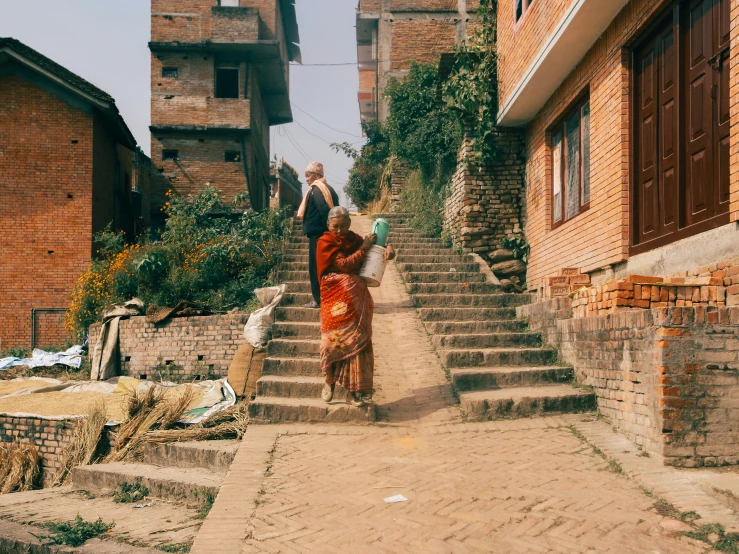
<point x="170" y="72"/>
<point x="521" y="7"/>
<point x="227" y="82"/>
<point x="232" y="156"/>
<point x="169" y="154"/>
<point x="571" y="163"/>
<point x="228" y="3"/>
<point x="681" y="126"/>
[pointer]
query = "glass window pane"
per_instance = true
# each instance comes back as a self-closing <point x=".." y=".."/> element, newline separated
<point x="557" y="177"/>
<point x="572" y="165"/>
<point x="585" y="196"/>
<point x="519" y="9"/>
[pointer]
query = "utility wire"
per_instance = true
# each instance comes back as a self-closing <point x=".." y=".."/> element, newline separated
<point x="324" y="124"/>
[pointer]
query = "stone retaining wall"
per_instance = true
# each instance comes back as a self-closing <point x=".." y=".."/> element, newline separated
<point x="667" y="378"/>
<point x="180" y="349"/>
<point x="50" y="437"/>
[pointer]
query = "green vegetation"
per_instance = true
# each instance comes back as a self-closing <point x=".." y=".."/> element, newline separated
<point x="666" y="509"/>
<point x="205" y="500"/>
<point x="207" y="254"/>
<point x="179" y="547"/>
<point x="75" y="533"/>
<point x="129" y="493"/>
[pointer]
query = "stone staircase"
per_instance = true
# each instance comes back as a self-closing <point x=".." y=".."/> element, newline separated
<point x="498" y="368"/>
<point x="178" y="471"/>
<point x="290" y="387"/>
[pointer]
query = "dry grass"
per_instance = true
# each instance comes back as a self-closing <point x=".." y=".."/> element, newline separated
<point x="147" y="411"/>
<point x="19" y="467"/>
<point x="382" y="203"/>
<point x="226" y="424"/>
<point x="84" y="446"/>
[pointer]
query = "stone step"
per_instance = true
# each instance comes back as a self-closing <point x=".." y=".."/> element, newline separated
<point x="417" y="242"/>
<point x="453" y="288"/>
<point x="467" y="300"/>
<point x="297" y="286"/>
<point x="447" y="277"/>
<point x="437" y="267"/>
<point x="466" y="314"/>
<point x="269" y="409"/>
<point x="283" y="276"/>
<point x="451" y="260"/>
<point x="296" y="258"/>
<point x="294" y="266"/>
<point x="296" y="299"/>
<point x="297" y="330"/>
<point x="525" y="402"/>
<point x="215" y="456"/>
<point x="298" y="314"/>
<point x="488" y="378"/>
<point x="488" y="340"/>
<point x="475" y="327"/>
<point x="163" y="482"/>
<point x="492" y="357"/>
<point x="306" y="367"/>
<point x="292" y="348"/>
<point x="295" y="387"/>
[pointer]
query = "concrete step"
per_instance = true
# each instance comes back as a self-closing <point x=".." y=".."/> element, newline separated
<point x="416" y="242"/>
<point x="296" y="330"/>
<point x="297" y="314"/>
<point x="488" y="340"/>
<point x="468" y="300"/>
<point x="297" y="257"/>
<point x="215" y="456"/>
<point x="493" y="357"/>
<point x="292" y="348"/>
<point x="446" y="277"/>
<point x="294" y="266"/>
<point x="268" y="409"/>
<point x="297" y="286"/>
<point x="163" y="482"/>
<point x="489" y="378"/>
<point x="475" y="327"/>
<point x="297" y="299"/>
<point x="525" y="402"/>
<point x="295" y="387"/>
<point x="438" y="267"/>
<point x="283" y="276"/>
<point x="453" y="288"/>
<point x="467" y="314"/>
<point x="450" y="259"/>
<point x="306" y="367"/>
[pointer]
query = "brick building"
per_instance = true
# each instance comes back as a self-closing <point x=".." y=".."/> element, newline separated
<point x="287" y="190"/>
<point x="630" y="114"/>
<point x="391" y="34"/>
<point x="219" y="80"/>
<point x="68" y="167"/>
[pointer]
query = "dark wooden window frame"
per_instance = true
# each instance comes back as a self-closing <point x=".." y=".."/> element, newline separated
<point x="525" y="5"/>
<point x="582" y="99"/>
<point x="643" y="36"/>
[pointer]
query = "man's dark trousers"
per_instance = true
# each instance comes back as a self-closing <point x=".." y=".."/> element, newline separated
<point x="315" y="285"/>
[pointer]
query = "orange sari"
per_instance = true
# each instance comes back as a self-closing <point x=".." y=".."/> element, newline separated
<point x="346" y="313"/>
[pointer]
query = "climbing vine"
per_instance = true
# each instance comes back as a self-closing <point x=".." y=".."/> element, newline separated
<point x="471" y="90"/>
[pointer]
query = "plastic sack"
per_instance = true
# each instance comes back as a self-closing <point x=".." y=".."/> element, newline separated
<point x="258" y="330"/>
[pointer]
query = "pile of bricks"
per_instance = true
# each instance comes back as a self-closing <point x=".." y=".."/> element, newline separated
<point x="726" y="272"/>
<point x="642" y="292"/>
<point x="567" y="280"/>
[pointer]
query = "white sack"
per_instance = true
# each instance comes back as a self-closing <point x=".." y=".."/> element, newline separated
<point x="258" y="329"/>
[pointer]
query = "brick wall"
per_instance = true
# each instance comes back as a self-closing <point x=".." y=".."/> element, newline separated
<point x="49" y="436"/>
<point x="423" y="5"/>
<point x="667" y="378"/>
<point x="420" y="40"/>
<point x="485" y="204"/>
<point x="179" y="350"/>
<point x="370" y="5"/>
<point x="45" y="213"/>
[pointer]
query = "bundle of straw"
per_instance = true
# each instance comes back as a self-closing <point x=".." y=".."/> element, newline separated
<point x="230" y="423"/>
<point x="84" y="448"/>
<point x="19" y="467"/>
<point x="147" y="411"/>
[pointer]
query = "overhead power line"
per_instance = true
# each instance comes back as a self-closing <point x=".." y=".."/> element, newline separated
<point x="324" y="124"/>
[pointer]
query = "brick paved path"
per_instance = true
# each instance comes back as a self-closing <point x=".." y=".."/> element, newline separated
<point x="529" y="485"/>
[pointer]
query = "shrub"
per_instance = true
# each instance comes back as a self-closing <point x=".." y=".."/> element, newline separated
<point x="206" y="254"/>
<point x="423" y="204"/>
<point x="75" y="533"/>
<point x="366" y="173"/>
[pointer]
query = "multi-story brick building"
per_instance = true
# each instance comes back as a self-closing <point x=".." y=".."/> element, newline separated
<point x="68" y="167"/>
<point x="392" y="34"/>
<point x="287" y="191"/>
<point x="219" y="79"/>
<point x="631" y="118"/>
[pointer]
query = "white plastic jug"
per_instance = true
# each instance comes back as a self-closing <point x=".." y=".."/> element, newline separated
<point x="374" y="266"/>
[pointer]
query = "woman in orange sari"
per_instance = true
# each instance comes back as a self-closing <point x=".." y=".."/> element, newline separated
<point x="346" y="309"/>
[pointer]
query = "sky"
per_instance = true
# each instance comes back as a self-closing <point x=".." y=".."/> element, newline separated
<point x="105" y="42"/>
